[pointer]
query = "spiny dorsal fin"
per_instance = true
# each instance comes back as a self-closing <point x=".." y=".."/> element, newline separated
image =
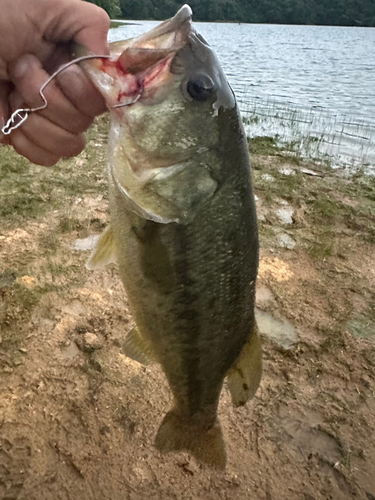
<point x="104" y="251"/>
<point x="244" y="376"/>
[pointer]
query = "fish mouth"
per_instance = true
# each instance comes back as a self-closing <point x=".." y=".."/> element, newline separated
<point x="140" y="65"/>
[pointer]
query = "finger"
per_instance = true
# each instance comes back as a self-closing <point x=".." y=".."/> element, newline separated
<point x="32" y="152"/>
<point x="77" y="87"/>
<point x="50" y="137"/>
<point x="83" y="22"/>
<point x="28" y="77"/>
<point x="93" y="34"/>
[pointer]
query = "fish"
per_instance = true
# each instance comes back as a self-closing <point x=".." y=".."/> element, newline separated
<point x="183" y="227"/>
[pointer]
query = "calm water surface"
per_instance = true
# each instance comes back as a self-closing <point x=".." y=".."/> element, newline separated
<point x="298" y="82"/>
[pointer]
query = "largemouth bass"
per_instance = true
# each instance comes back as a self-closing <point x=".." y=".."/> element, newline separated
<point x="183" y="225"/>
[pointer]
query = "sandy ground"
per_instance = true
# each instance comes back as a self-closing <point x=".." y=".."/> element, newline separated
<point x="78" y="418"/>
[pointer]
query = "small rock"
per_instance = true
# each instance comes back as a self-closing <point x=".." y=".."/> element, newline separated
<point x="285" y="214"/>
<point x="28" y="282"/>
<point x="268" y="177"/>
<point x="283" y="202"/>
<point x="285" y="241"/>
<point x="89" y="342"/>
<point x="23" y="350"/>
<point x="190" y="466"/>
<point x="287" y="171"/>
<point x="307" y="171"/>
<point x="232" y="479"/>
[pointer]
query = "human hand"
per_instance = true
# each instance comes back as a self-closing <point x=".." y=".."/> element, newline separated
<point x="35" y="37"/>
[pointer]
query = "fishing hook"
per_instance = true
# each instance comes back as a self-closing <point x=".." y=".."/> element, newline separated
<point x="20" y="115"/>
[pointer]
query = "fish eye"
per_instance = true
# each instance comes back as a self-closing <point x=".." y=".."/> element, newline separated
<point x="200" y="87"/>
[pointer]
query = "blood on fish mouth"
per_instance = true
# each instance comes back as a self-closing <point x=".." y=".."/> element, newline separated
<point x="134" y="84"/>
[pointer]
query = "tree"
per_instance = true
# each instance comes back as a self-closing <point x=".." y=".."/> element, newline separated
<point x="331" y="12"/>
<point x="112" y="7"/>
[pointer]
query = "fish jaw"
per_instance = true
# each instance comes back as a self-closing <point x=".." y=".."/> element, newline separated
<point x="140" y="65"/>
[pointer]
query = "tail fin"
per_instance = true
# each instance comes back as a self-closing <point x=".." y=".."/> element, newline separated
<point x="205" y="444"/>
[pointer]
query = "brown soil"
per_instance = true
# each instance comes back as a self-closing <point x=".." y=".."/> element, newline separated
<point x="78" y="418"/>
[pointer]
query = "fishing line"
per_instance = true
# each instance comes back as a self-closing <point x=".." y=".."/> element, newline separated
<point x="21" y="115"/>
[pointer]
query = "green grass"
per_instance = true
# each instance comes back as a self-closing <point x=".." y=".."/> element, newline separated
<point x="117" y="24"/>
<point x="324" y="208"/>
<point x="311" y="133"/>
<point x="28" y="191"/>
<point x="263" y="146"/>
<point x="322" y="247"/>
<point x="333" y="205"/>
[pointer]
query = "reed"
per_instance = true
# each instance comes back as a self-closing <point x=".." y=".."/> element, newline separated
<point x="312" y="133"/>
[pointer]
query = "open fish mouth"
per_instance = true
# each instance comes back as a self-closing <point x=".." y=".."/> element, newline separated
<point x="140" y="65"/>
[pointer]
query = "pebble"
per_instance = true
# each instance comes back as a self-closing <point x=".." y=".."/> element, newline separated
<point x="285" y="241"/>
<point x="287" y="171"/>
<point x="285" y="215"/>
<point x="89" y="342"/>
<point x="268" y="177"/>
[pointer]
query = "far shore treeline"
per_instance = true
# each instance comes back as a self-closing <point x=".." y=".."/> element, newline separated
<point x="321" y="12"/>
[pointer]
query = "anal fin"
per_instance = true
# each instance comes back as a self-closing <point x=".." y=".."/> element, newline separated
<point x="244" y="376"/>
<point x="104" y="251"/>
<point x="137" y="348"/>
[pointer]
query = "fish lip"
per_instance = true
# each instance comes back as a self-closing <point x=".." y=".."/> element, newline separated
<point x="180" y="24"/>
<point x="144" y="52"/>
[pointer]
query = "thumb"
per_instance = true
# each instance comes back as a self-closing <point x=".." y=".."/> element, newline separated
<point x="94" y="28"/>
<point x="81" y="22"/>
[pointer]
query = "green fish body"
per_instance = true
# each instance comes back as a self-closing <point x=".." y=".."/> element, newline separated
<point x="183" y="226"/>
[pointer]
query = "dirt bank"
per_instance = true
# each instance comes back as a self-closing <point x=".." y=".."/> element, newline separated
<point x="78" y="419"/>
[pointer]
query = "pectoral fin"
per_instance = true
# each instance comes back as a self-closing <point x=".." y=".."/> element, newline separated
<point x="244" y="376"/>
<point x="104" y="251"/>
<point x="138" y="348"/>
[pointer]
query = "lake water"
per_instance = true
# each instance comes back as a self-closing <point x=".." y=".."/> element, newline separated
<point x="298" y="82"/>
